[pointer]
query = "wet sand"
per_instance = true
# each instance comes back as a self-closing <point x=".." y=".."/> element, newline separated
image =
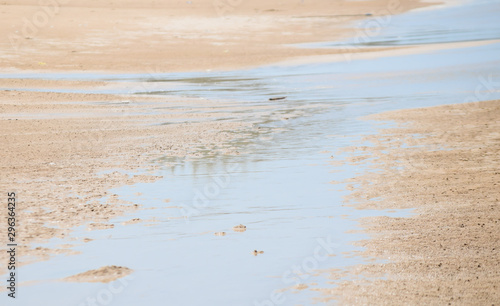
<point x="55" y="145"/>
<point x="443" y="162"/>
<point x="102" y="275"/>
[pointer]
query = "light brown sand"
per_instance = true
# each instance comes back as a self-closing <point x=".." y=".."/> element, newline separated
<point x="449" y="252"/>
<point x="174" y="35"/>
<point x="102" y="275"/>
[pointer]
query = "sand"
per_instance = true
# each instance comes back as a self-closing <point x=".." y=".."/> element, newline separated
<point x="102" y="275"/>
<point x="165" y="36"/>
<point x="448" y="251"/>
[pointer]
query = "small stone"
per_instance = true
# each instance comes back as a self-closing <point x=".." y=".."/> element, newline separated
<point x="277" y="98"/>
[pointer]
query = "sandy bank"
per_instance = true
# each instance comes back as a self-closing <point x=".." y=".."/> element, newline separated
<point x="449" y="251"/>
<point x="164" y="36"/>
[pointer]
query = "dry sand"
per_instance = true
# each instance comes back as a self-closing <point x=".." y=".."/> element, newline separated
<point x="164" y="36"/>
<point x="449" y="251"/>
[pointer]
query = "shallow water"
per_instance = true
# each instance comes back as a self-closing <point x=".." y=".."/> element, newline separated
<point x="460" y="21"/>
<point x="278" y="187"/>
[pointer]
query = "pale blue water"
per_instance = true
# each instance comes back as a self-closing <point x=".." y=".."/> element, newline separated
<point x="471" y="21"/>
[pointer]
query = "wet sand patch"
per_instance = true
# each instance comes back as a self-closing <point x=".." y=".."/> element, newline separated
<point x="102" y="275"/>
<point x="64" y="167"/>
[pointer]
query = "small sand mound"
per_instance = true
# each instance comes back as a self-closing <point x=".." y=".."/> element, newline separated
<point x="99" y="226"/>
<point x="132" y="221"/>
<point x="102" y="275"/>
<point x="239" y="228"/>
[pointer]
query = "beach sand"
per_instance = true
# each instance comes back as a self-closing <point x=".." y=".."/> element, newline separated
<point x="448" y="251"/>
<point x="165" y="36"/>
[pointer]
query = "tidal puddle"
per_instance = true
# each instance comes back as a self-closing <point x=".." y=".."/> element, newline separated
<point x="279" y="187"/>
